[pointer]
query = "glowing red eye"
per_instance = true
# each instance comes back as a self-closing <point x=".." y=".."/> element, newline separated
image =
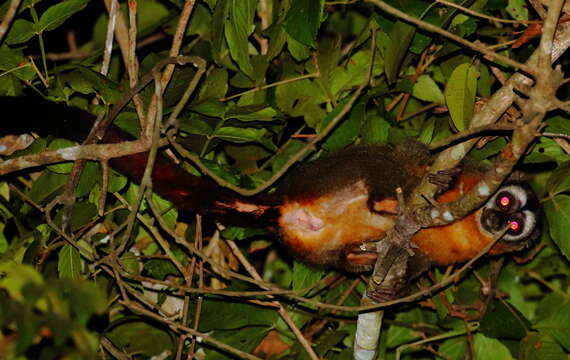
<point x="514" y="225"/>
<point x="504" y="201"/>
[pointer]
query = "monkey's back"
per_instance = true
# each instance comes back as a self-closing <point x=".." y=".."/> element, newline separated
<point x="382" y="168"/>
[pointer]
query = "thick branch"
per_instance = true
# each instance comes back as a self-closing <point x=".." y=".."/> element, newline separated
<point x="80" y="152"/>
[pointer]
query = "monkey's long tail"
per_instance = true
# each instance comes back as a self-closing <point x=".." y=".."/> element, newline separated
<point x="186" y="191"/>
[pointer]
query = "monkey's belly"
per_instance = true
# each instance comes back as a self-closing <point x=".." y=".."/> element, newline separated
<point x="318" y="230"/>
<point x="326" y="230"/>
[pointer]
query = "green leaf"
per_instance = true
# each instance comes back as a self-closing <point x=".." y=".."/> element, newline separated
<point x="245" y="339"/>
<point x="558" y="124"/>
<point x="305" y="276"/>
<point x="78" y="82"/>
<point x="240" y="80"/>
<point x="46" y="186"/>
<point x="160" y="269"/>
<point x="558" y="213"/>
<point x="237" y="30"/>
<point x="518" y="9"/>
<point x="69" y="263"/>
<point x="454" y="348"/>
<point x="502" y="321"/>
<point x="3" y="241"/>
<point x="492" y="148"/>
<point x="303" y="20"/>
<point x="83" y="213"/>
<point x="375" y="130"/>
<point x="460" y="95"/>
<point x="215" y="85"/>
<point x="355" y="72"/>
<point x="220" y="52"/>
<point x="298" y="50"/>
<point x="559" y="180"/>
<point x="399" y="335"/>
<point x="116" y="182"/>
<point x="56" y="15"/>
<point x="251" y="113"/>
<point x="211" y="3"/>
<point x="236" y="315"/>
<point x="62" y="168"/>
<point x="289" y="96"/>
<point x="347" y="131"/>
<point x="11" y="59"/>
<point x="21" y="31"/>
<point x="490" y="349"/>
<point x="90" y="176"/>
<point x="140" y="337"/>
<point x="426" y="89"/>
<point x="85" y="298"/>
<point x="426" y="135"/>
<point x="166" y="210"/>
<point x="540" y="346"/>
<point x="244" y="135"/>
<point x="558" y="325"/>
<point x="213" y="108"/>
<point x="197" y="125"/>
<point x="151" y="14"/>
<point x="130" y="262"/>
<point x="14" y="278"/>
<point x="400" y="38"/>
<point x="200" y="22"/>
<point x="107" y="88"/>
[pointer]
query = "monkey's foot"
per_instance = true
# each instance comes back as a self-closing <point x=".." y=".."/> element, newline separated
<point x="360" y="258"/>
<point x="382" y="294"/>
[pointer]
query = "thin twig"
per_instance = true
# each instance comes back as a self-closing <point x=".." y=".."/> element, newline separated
<point x="269" y="86"/>
<point x="435" y="29"/>
<point x="483" y="16"/>
<point x="176" y="326"/>
<point x="282" y="311"/>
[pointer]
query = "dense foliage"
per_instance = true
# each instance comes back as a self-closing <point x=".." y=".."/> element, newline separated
<point x="277" y="75"/>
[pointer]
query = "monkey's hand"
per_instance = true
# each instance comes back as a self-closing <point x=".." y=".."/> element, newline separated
<point x="444" y="179"/>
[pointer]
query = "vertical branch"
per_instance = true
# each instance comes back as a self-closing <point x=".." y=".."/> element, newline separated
<point x="121" y="32"/>
<point x="264" y="17"/>
<point x="178" y="36"/>
<point x="7" y="21"/>
<point x="548" y="30"/>
<point x="200" y="264"/>
<point x="146" y="181"/>
<point x="109" y="38"/>
<point x="132" y="63"/>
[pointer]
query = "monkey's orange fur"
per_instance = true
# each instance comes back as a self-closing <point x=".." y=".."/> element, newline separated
<point x="461" y="240"/>
<point x="318" y="230"/>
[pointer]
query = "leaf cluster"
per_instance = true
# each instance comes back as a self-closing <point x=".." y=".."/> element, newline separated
<point x="278" y="72"/>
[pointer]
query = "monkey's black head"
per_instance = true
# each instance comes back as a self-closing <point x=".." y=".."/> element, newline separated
<point x="514" y="205"/>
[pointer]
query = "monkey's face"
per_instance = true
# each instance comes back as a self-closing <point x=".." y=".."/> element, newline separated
<point x="515" y="206"/>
